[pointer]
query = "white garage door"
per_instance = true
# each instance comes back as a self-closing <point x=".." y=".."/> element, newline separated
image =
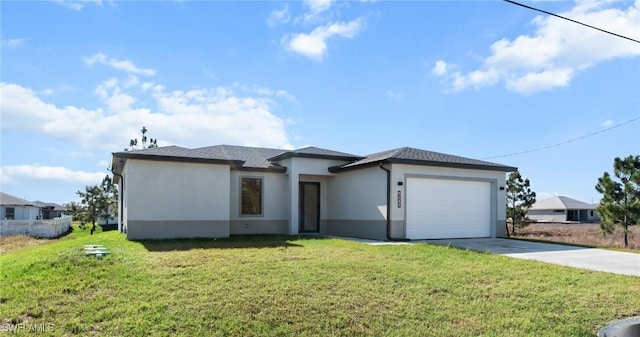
<point x="447" y="209"/>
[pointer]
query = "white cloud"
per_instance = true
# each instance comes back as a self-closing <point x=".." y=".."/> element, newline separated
<point x="279" y="16"/>
<point x="124" y="65"/>
<point x="186" y="118"/>
<point x="314" y="44"/>
<point x="11" y="174"/>
<point x="440" y="68"/>
<point x="316" y="9"/>
<point x="13" y="43"/>
<point x="393" y="95"/>
<point x="77" y="5"/>
<point x="557" y="50"/>
<point x="607" y="123"/>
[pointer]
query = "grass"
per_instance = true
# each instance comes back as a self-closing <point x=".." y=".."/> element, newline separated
<point x="291" y="286"/>
<point x="580" y="234"/>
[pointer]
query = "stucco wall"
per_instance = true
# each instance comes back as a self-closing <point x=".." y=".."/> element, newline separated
<point x="275" y="209"/>
<point x="547" y="215"/>
<point x="21" y="212"/>
<point x="171" y="199"/>
<point x="357" y="203"/>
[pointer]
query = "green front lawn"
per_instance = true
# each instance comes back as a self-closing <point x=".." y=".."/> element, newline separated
<point x="288" y="286"/>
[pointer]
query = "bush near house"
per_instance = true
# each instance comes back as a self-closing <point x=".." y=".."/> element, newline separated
<point x="290" y="286"/>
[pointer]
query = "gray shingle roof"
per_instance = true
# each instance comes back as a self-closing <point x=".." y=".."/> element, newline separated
<point x="252" y="156"/>
<point x="266" y="158"/>
<point x="411" y="155"/>
<point x="315" y="152"/>
<point x="56" y="207"/>
<point x="174" y="151"/>
<point x="560" y="202"/>
<point x="10" y="200"/>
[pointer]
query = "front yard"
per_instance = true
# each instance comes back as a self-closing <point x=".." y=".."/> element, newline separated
<point x="289" y="286"/>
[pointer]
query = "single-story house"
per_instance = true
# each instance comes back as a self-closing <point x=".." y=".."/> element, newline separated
<point x="14" y="208"/>
<point x="49" y="210"/>
<point x="563" y="209"/>
<point x="223" y="190"/>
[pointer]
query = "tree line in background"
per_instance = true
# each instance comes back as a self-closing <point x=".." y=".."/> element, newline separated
<point x="101" y="201"/>
<point x="619" y="206"/>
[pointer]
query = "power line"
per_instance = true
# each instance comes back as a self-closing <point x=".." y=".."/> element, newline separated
<point x="565" y="18"/>
<point x="567" y="141"/>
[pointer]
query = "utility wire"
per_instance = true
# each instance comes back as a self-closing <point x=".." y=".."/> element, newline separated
<point x="567" y="141"/>
<point x="578" y="22"/>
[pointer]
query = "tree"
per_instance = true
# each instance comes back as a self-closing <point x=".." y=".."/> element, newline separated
<point x="77" y="211"/>
<point x="133" y="143"/>
<point x="620" y="203"/>
<point x="92" y="198"/>
<point x="520" y="197"/>
<point x="109" y="207"/>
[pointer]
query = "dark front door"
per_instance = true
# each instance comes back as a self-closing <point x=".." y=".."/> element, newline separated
<point x="309" y="207"/>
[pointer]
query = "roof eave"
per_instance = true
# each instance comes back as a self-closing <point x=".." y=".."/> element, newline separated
<point x="501" y="168"/>
<point x="139" y="156"/>
<point x="287" y="155"/>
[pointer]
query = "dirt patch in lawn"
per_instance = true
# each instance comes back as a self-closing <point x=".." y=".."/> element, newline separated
<point x="13" y="242"/>
<point x="581" y="234"/>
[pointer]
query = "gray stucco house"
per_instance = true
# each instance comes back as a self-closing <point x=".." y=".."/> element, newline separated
<point x="563" y="209"/>
<point x="217" y="191"/>
<point x="14" y="208"/>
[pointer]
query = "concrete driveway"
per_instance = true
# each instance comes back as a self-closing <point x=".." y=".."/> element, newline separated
<point x="571" y="256"/>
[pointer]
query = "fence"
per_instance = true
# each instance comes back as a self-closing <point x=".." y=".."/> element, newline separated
<point x="36" y="228"/>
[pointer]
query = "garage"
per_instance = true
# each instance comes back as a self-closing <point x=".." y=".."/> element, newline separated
<point x="447" y="208"/>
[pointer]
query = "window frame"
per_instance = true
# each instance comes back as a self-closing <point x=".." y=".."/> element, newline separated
<point x="13" y="213"/>
<point x="241" y="210"/>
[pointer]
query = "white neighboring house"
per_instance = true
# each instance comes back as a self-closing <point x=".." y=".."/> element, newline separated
<point x="218" y="191"/>
<point x="14" y="208"/>
<point x="563" y="209"/>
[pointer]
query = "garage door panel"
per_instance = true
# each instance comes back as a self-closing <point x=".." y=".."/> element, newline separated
<point x="443" y="208"/>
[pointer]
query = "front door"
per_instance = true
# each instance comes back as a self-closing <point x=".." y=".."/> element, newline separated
<point x="309" y="207"/>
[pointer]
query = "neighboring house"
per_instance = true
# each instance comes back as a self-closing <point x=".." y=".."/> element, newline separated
<point x="49" y="210"/>
<point x="563" y="209"/>
<point x="217" y="191"/>
<point x="14" y="208"/>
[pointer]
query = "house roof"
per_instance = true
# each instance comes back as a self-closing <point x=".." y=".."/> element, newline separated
<point x="169" y="153"/>
<point x="251" y="156"/>
<point x="54" y="206"/>
<point x="409" y="155"/>
<point x="10" y="200"/>
<point x="256" y="158"/>
<point x="560" y="202"/>
<point x="315" y="152"/>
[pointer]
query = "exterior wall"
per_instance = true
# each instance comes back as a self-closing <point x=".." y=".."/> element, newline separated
<point x="548" y="215"/>
<point x="175" y="200"/>
<point x="306" y="167"/>
<point x="357" y="203"/>
<point x="274" y="218"/>
<point x="400" y="172"/>
<point x="21" y="212"/>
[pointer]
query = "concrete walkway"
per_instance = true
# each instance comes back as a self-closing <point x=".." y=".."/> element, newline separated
<point x="572" y="256"/>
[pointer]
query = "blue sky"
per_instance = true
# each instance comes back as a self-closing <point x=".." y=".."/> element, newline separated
<point x="472" y="78"/>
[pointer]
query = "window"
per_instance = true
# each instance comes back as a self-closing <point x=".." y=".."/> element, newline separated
<point x="251" y="198"/>
<point x="591" y="213"/>
<point x="10" y="213"/>
<point x="558" y="211"/>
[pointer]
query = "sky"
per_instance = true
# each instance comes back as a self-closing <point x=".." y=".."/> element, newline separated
<point x="479" y="79"/>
